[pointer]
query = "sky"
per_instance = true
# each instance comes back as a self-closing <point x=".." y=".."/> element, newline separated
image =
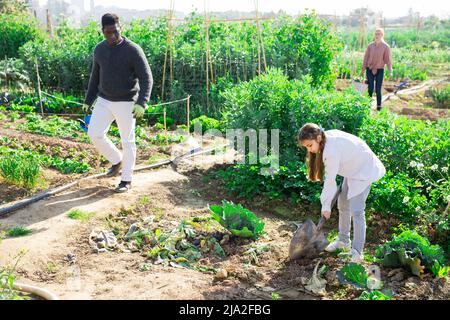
<point x="390" y="8"/>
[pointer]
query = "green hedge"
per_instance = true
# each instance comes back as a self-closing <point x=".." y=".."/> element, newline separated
<point x="272" y="101"/>
<point x="15" y="31"/>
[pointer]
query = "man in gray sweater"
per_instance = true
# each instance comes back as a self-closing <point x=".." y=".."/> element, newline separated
<point x="121" y="81"/>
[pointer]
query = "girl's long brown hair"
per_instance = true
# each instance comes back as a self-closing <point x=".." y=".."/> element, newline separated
<point x="314" y="161"/>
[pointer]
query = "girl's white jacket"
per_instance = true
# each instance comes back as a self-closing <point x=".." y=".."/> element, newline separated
<point x="350" y="157"/>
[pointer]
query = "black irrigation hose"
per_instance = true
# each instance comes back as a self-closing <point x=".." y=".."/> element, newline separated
<point x="26" y="202"/>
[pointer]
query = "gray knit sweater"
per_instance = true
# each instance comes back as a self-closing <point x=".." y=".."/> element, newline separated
<point x="120" y="73"/>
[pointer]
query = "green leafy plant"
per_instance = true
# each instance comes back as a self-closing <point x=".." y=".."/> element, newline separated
<point x="169" y="121"/>
<point x="81" y="215"/>
<point x="7" y="279"/>
<point x="439" y="271"/>
<point x="374" y="295"/>
<point x="412" y="251"/>
<point x="20" y="170"/>
<point x="18" y="231"/>
<point x="355" y="274"/>
<point x="25" y="174"/>
<point x="238" y="220"/>
<point x="441" y="96"/>
<point x="255" y="250"/>
<point x="206" y="123"/>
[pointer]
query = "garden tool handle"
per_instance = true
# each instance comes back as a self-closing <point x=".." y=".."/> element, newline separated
<point x="322" y="219"/>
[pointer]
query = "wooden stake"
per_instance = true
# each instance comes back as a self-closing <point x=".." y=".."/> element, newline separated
<point x="39" y="87"/>
<point x="6" y="73"/>
<point x="207" y="59"/>
<point x="165" y="126"/>
<point x="49" y="24"/>
<point x="168" y="43"/>
<point x="260" y="39"/>
<point x="187" y="113"/>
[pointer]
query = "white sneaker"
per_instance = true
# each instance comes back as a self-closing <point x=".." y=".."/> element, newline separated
<point x="356" y="256"/>
<point x="335" y="245"/>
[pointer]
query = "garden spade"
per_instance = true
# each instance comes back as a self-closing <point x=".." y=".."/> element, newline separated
<point x="308" y="241"/>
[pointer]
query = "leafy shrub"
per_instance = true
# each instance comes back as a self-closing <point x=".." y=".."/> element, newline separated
<point x="410" y="250"/>
<point x="415" y="152"/>
<point x="12" y="73"/>
<point x="206" y="123"/>
<point x="15" y="31"/>
<point x="32" y="157"/>
<point x="169" y="121"/>
<point x="290" y="181"/>
<point x="238" y="220"/>
<point x="398" y="195"/>
<point x="65" y="60"/>
<point x="272" y="101"/>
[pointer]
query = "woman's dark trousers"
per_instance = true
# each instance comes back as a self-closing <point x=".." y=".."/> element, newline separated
<point x="375" y="81"/>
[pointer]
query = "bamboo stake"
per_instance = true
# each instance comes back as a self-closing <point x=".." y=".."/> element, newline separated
<point x="49" y="24"/>
<point x="207" y="58"/>
<point x="165" y="127"/>
<point x="171" y="49"/>
<point x="39" y="86"/>
<point x="168" y="43"/>
<point x="187" y="113"/>
<point x="6" y="73"/>
<point x="260" y="39"/>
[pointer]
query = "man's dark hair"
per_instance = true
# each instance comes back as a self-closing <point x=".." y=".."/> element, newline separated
<point x="109" y="19"/>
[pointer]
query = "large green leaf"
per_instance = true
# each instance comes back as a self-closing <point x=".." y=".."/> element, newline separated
<point x="237" y="219"/>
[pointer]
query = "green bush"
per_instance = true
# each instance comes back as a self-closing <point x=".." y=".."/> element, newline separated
<point x="15" y="31"/>
<point x="50" y="104"/>
<point x="289" y="181"/>
<point x="441" y="96"/>
<point x="169" y="121"/>
<point x="12" y="74"/>
<point x="272" y="101"/>
<point x="399" y="195"/>
<point x="206" y="123"/>
<point x="64" y="61"/>
<point x="416" y="153"/>
<point x="31" y="159"/>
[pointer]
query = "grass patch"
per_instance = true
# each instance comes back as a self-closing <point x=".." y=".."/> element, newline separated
<point x="51" y="267"/>
<point x="144" y="200"/>
<point x="18" y="231"/>
<point x="20" y="170"/>
<point x="78" y="214"/>
<point x="154" y="158"/>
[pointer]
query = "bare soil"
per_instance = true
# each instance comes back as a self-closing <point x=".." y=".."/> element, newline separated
<point x="177" y="195"/>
